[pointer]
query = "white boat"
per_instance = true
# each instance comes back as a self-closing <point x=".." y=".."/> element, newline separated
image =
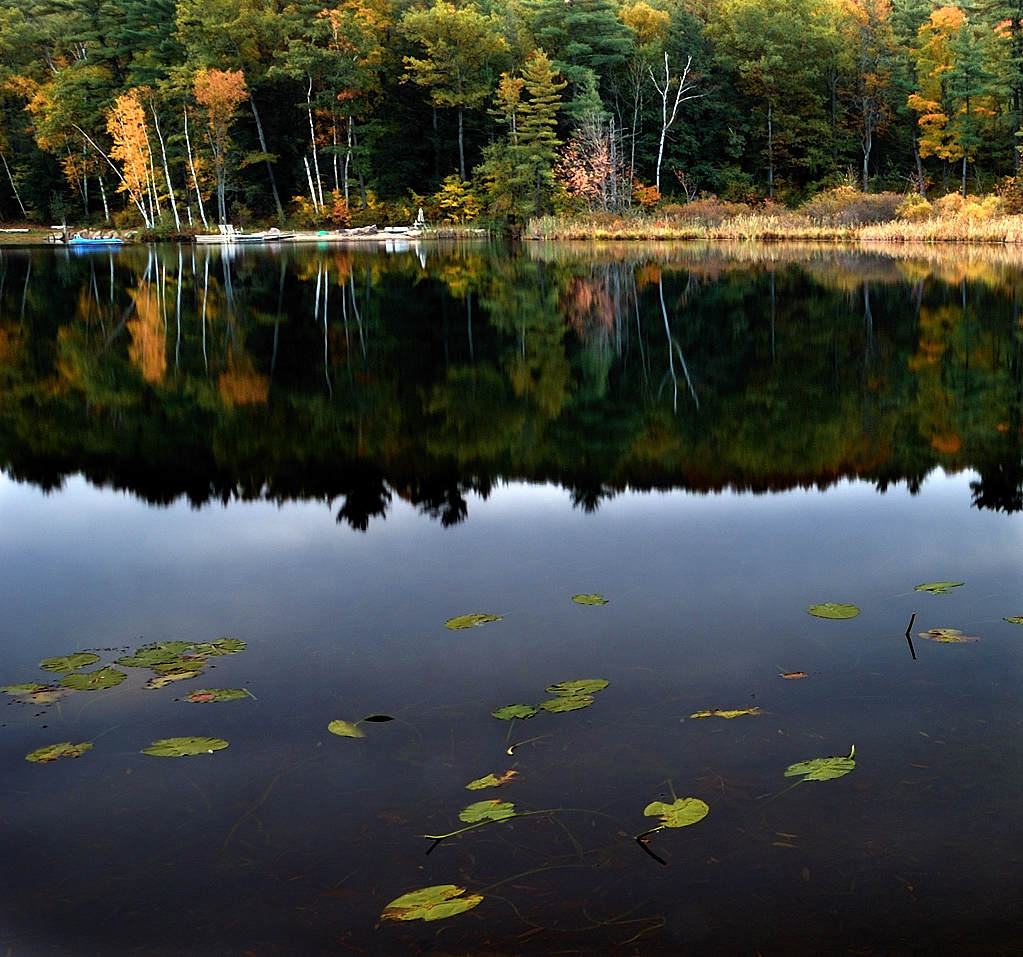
<point x="228" y="234"/>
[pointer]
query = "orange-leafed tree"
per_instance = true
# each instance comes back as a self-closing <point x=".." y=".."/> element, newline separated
<point x="219" y="93"/>
<point x="126" y="124"/>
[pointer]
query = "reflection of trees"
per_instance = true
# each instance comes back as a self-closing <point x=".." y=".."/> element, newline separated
<point x="352" y="378"/>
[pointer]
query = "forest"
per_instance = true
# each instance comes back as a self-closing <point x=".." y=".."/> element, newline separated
<point x="174" y="115"/>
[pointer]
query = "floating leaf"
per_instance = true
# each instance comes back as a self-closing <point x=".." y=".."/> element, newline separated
<point x="24" y="689"/>
<point x="718" y="713"/>
<point x="510" y="711"/>
<point x="65" y="663"/>
<point x="161" y="681"/>
<point x="149" y="657"/>
<point x="93" y="680"/>
<point x="833" y="610"/>
<point x="193" y="663"/>
<point x="53" y="751"/>
<point x="793" y="675"/>
<point x="822" y="769"/>
<point x="948" y="636"/>
<point x="571" y="702"/>
<point x="582" y="686"/>
<point x="680" y="813"/>
<point x="179" y="747"/>
<point x="470" y="621"/>
<point x="345" y="729"/>
<point x="938" y="588"/>
<point x="46" y="696"/>
<point x="431" y="903"/>
<point x="217" y="694"/>
<point x="1015" y="620"/>
<point x="491" y="781"/>
<point x="487" y="811"/>
<point x="222" y="646"/>
<point x="589" y="599"/>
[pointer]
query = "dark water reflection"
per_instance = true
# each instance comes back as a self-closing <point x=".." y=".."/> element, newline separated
<point x="510" y="432"/>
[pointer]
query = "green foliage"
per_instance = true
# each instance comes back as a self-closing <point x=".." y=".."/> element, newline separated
<point x="51" y="752"/>
<point x="431" y="903"/>
<point x="822" y="769"/>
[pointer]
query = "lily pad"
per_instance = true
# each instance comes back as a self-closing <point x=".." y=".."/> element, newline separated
<point x="948" y="636"/>
<point x="345" y="729"/>
<point x="29" y="688"/>
<point x="204" y="695"/>
<point x="680" y="813"/>
<point x="53" y="751"/>
<point x="938" y="588"/>
<point x="470" y="621"/>
<point x="66" y="663"/>
<point x="510" y="711"/>
<point x="491" y="781"/>
<point x="793" y="675"/>
<point x="582" y="686"/>
<point x="593" y="599"/>
<point x="162" y="680"/>
<point x="572" y="702"/>
<point x="193" y="663"/>
<point x="1015" y="620"/>
<point x="832" y="609"/>
<point x="149" y="657"/>
<point x="222" y="646"/>
<point x="822" y="769"/>
<point x="180" y="747"/>
<point x="93" y="680"/>
<point x="487" y="811"/>
<point x="720" y="713"/>
<point x="431" y="903"/>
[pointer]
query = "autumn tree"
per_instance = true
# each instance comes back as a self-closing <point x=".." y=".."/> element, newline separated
<point x="219" y="92"/>
<point x="126" y="124"/>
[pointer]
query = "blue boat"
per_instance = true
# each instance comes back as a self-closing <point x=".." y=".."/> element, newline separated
<point x="99" y="241"/>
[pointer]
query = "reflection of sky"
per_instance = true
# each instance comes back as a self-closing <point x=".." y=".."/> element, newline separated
<point x="707" y="602"/>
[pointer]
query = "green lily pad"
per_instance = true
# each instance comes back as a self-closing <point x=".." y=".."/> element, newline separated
<point x="431" y="903"/>
<point x="832" y="609"/>
<point x="948" y="636"/>
<point x="822" y="769"/>
<point x="487" y="811"/>
<point x="470" y="621"/>
<point x="18" y="690"/>
<point x="222" y="646"/>
<point x="938" y="588"/>
<point x="204" y="695"/>
<point x="680" y="813"/>
<point x="1015" y="620"/>
<point x="345" y="729"/>
<point x="53" y="751"/>
<point x="93" y="680"/>
<point x="593" y="599"/>
<point x="66" y="663"/>
<point x="149" y="657"/>
<point x="569" y="702"/>
<point x="180" y="747"/>
<point x="582" y="686"/>
<point x="193" y="663"/>
<point x="724" y="713"/>
<point x="162" y="680"/>
<point x="510" y="711"/>
<point x="491" y="781"/>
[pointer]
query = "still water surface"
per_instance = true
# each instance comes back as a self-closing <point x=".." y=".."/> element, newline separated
<point x="331" y="478"/>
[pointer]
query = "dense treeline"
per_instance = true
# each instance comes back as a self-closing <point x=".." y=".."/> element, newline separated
<point x="176" y="114"/>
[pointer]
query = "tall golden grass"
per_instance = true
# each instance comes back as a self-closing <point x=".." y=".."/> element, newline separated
<point x="841" y="215"/>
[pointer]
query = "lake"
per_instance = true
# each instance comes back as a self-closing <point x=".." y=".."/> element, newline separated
<point x="290" y="471"/>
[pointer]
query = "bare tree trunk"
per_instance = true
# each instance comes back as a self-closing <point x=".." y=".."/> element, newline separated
<point x="14" y="186"/>
<point x="195" y="179"/>
<point x="166" y="169"/>
<point x="312" y="142"/>
<point x="461" y="147"/>
<point x="309" y="177"/>
<point x="770" y="151"/>
<point x="684" y="86"/>
<point x="103" y="197"/>
<point x="269" y="165"/>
